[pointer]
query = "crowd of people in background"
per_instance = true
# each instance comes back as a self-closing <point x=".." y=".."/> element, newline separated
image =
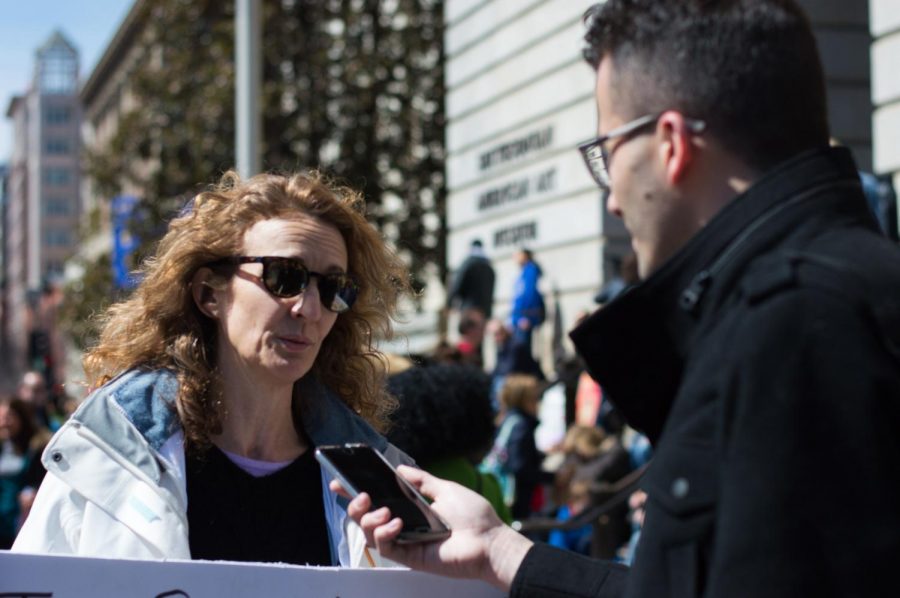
<point x="458" y="420"/>
<point x="558" y="447"/>
<point x="28" y="417"/>
<point x="498" y="434"/>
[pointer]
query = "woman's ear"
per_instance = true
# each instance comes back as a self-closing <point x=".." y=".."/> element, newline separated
<point x="204" y="294"/>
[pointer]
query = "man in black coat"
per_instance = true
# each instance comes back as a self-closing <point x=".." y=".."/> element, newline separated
<point x="761" y="352"/>
<point x="473" y="283"/>
<point x="472" y="293"/>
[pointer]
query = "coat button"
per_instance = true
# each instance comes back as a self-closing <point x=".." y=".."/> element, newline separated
<point x="57" y="457"/>
<point x="680" y="487"/>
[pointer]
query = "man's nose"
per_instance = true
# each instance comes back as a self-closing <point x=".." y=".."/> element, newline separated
<point x="612" y="205"/>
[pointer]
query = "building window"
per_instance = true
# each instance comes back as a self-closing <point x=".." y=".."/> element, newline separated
<point x="59" y="237"/>
<point x="58" y="66"/>
<point x="55" y="268"/>
<point x="57" y="146"/>
<point x="57" y="115"/>
<point x="57" y="176"/>
<point x="57" y="206"/>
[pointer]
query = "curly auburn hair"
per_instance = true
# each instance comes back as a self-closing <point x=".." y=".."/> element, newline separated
<point x="160" y="326"/>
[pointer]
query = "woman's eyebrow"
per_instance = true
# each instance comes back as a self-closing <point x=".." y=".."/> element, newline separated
<point x="332" y="269"/>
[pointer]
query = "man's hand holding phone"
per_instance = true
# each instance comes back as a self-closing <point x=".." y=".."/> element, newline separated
<point x="360" y="468"/>
<point x="480" y="545"/>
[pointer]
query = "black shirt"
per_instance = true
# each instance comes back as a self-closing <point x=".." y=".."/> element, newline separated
<point x="237" y="517"/>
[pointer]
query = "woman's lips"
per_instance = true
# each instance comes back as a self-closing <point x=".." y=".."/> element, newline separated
<point x="295" y="343"/>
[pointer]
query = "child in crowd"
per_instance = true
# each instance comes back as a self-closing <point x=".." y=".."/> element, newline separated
<point x="515" y="456"/>
<point x="594" y="460"/>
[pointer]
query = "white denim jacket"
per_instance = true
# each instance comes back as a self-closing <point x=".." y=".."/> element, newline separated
<point x="116" y="487"/>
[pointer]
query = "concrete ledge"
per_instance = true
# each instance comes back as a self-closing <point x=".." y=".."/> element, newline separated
<point x="884" y="16"/>
<point x="886" y="126"/>
<point x="886" y="68"/>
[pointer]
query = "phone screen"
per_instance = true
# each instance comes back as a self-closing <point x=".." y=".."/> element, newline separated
<point x="362" y="468"/>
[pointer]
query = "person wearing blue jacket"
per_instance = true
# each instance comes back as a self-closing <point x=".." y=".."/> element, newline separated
<point x="528" y="309"/>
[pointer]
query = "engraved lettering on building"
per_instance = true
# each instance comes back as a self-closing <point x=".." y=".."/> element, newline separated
<point x="517" y="190"/>
<point x="515" y="235"/>
<point x="515" y="148"/>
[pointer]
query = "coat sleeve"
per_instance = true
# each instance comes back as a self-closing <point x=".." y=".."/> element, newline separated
<point x="549" y="572"/>
<point x="54" y="524"/>
<point x="809" y="499"/>
<point x="458" y="282"/>
<point x="524" y="460"/>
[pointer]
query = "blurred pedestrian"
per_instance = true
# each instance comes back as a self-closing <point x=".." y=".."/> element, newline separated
<point x="471" y="334"/>
<point x="513" y="357"/>
<point x="34" y="391"/>
<point x="472" y="288"/>
<point x="592" y="456"/>
<point x="249" y="341"/>
<point x="445" y="352"/>
<point x="594" y="460"/>
<point x="515" y="455"/>
<point x="528" y="308"/>
<point x="21" y="441"/>
<point x="626" y="276"/>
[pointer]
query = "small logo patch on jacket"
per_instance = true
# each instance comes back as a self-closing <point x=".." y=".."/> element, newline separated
<point x="145" y="511"/>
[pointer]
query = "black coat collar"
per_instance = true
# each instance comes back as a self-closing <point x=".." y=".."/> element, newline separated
<point x="636" y="346"/>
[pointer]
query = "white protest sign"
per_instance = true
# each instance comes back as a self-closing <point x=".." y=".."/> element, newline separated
<point x="42" y="576"/>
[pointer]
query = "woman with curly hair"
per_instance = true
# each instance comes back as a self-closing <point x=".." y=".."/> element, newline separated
<point x="249" y="341"/>
<point x="514" y="445"/>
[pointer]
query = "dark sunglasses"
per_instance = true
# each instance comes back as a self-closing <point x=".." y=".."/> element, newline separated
<point x="287" y="277"/>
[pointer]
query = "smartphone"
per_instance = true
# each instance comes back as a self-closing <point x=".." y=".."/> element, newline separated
<point x="360" y="468"/>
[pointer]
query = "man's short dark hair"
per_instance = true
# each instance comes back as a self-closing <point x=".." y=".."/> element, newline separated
<point x="749" y="68"/>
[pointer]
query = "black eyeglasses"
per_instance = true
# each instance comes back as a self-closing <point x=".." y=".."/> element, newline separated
<point x="287" y="277"/>
<point x="596" y="156"/>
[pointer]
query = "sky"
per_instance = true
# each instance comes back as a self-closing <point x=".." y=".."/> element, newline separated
<point x="26" y="24"/>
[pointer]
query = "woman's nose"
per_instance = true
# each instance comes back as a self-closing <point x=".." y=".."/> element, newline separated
<point x="308" y="303"/>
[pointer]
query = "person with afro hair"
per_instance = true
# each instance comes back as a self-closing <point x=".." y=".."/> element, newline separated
<point x="446" y="423"/>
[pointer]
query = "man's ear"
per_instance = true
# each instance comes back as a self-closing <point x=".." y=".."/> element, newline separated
<point x="677" y="150"/>
<point x="204" y="294"/>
